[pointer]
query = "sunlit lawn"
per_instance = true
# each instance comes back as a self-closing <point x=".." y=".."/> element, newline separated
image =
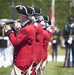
<point x="53" y="68"/>
<point x="56" y="68"/>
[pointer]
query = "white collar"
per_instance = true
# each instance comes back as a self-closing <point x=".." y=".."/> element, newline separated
<point x="25" y="23"/>
<point x="71" y="25"/>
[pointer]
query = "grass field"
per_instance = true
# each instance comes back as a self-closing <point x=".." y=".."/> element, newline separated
<point x="56" y="68"/>
<point x="53" y="68"/>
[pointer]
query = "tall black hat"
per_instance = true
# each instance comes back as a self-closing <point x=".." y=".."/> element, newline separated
<point x="49" y="22"/>
<point x="24" y="10"/>
<point x="46" y="19"/>
<point x="37" y="11"/>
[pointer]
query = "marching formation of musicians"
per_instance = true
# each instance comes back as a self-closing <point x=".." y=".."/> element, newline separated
<point x="28" y="42"/>
<point x="29" y="38"/>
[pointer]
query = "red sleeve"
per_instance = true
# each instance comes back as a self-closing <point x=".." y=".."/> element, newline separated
<point x="16" y="40"/>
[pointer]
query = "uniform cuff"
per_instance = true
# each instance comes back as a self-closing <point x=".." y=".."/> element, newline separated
<point x="9" y="31"/>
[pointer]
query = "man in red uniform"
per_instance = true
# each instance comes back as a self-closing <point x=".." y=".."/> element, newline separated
<point x="38" y="42"/>
<point x="23" y="41"/>
<point x="46" y="39"/>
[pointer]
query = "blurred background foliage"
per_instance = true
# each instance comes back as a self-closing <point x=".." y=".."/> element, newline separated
<point x="61" y="9"/>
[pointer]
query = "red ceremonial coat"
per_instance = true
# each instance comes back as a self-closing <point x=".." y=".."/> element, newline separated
<point x="38" y="44"/>
<point x="24" y="45"/>
<point x="46" y="39"/>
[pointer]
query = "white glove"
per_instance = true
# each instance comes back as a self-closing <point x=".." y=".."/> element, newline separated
<point x="49" y="43"/>
<point x="70" y="40"/>
<point x="72" y="25"/>
<point x="17" y="25"/>
<point x="7" y="27"/>
<point x="54" y="41"/>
